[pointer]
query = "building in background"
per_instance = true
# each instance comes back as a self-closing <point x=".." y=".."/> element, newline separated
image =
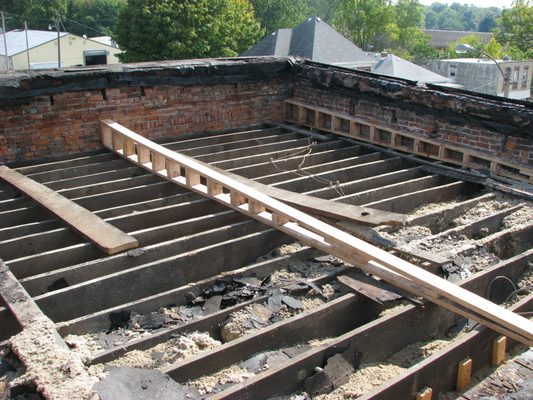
<point x="441" y="39"/>
<point x="484" y="76"/>
<point x="35" y="49"/>
<point x="317" y="41"/>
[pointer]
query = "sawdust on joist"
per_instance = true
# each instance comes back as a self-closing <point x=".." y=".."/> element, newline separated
<point x="57" y="372"/>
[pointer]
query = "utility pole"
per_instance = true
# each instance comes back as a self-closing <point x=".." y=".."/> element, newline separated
<point x="5" y="39"/>
<point x="27" y="46"/>
<point x="506" y="82"/>
<point x="58" y="25"/>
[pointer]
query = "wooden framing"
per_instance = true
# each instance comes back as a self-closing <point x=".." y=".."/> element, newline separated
<point x="104" y="235"/>
<point x="464" y="374"/>
<point x="198" y="177"/>
<point x="357" y="128"/>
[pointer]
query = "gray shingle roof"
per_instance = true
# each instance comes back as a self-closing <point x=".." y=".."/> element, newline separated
<point x="398" y="67"/>
<point x="312" y="39"/>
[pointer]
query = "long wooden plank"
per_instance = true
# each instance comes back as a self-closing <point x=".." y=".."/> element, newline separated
<point x="104" y="235"/>
<point x="204" y="180"/>
<point x="327" y="208"/>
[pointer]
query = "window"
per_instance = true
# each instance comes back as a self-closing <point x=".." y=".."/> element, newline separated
<point x="525" y="75"/>
<point x="452" y="71"/>
<point x="95" y="57"/>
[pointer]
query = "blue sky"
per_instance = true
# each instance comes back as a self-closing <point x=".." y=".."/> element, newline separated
<point x="479" y="3"/>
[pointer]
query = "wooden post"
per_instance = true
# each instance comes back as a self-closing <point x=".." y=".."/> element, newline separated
<point x="355" y="128"/>
<point x="236" y="199"/>
<point x="158" y="162"/>
<point x="129" y="147"/>
<point x="498" y="350"/>
<point x="464" y="373"/>
<point x="213" y="187"/>
<point x="143" y="154"/>
<point x="372" y="132"/>
<point x="173" y="169"/>
<point x="106" y="135"/>
<point x="278" y="219"/>
<point x="192" y="177"/>
<point x="424" y="394"/>
<point x="118" y="141"/>
<point x="255" y="207"/>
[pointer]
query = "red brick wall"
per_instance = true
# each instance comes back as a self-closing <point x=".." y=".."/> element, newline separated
<point x="68" y="122"/>
<point x="414" y="121"/>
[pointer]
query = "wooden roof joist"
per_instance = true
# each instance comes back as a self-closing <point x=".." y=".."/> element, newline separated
<point x="203" y="179"/>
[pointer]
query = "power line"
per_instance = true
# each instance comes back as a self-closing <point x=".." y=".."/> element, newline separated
<point x="85" y="26"/>
<point x="66" y="19"/>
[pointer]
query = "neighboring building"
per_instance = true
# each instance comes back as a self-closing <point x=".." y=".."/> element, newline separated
<point x="392" y="65"/>
<point x="41" y="46"/>
<point x="315" y="40"/>
<point x="105" y="40"/>
<point x="484" y="76"/>
<point x="441" y="39"/>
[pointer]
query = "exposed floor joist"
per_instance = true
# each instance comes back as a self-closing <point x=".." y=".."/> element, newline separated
<point x="67" y="271"/>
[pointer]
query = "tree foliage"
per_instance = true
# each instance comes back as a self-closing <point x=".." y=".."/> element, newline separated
<point x="325" y="9"/>
<point x="516" y="28"/>
<point x="37" y="13"/>
<point x="177" y="29"/>
<point x="460" y="17"/>
<point x="368" y="23"/>
<point x="274" y="15"/>
<point x="379" y="25"/>
<point x="493" y="48"/>
<point x="92" y="17"/>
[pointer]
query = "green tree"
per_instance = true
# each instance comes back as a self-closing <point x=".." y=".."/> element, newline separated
<point x="516" y="27"/>
<point x="274" y="15"/>
<point x="38" y="14"/>
<point x="150" y="30"/>
<point x="493" y="48"/>
<point x="93" y="17"/>
<point x="412" y="43"/>
<point x="324" y="9"/>
<point x="368" y="23"/>
<point x="431" y="19"/>
<point x="487" y="23"/>
<point x="449" y="19"/>
<point x="408" y="13"/>
<point x="468" y="18"/>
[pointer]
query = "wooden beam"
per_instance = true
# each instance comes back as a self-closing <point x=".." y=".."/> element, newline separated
<point x="326" y="208"/>
<point x="446" y="152"/>
<point x="104" y="235"/>
<point x="327" y="238"/>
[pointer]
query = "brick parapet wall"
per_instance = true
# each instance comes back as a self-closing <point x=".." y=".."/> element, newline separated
<point x="53" y="113"/>
<point x="425" y="122"/>
<point x="67" y="122"/>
